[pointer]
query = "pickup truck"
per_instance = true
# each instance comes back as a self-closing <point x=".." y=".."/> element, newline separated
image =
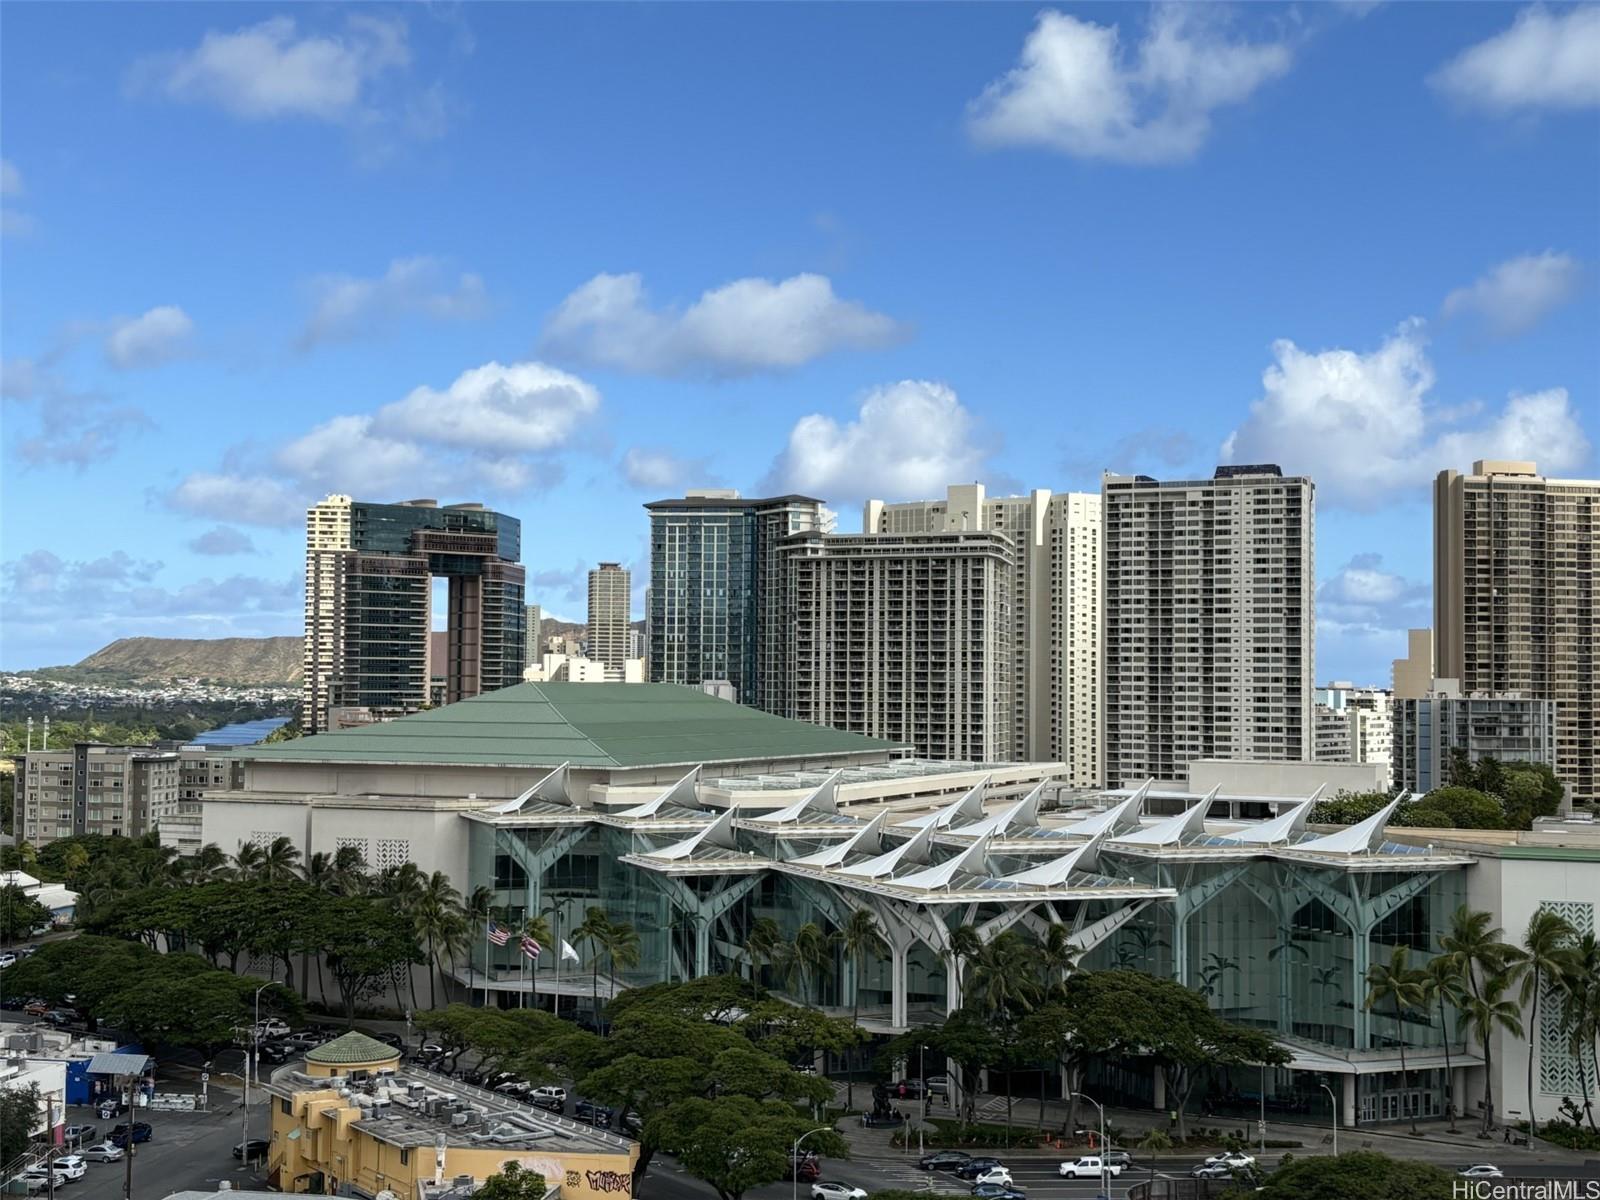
<point x="1091" y="1166"/>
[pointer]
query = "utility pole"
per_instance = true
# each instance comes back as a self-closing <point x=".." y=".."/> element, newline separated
<point x="127" y="1166"/>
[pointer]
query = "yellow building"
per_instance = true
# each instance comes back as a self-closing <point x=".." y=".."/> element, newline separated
<point x="352" y="1121"/>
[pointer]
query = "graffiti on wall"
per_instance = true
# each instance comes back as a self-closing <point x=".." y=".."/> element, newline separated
<point x="610" y="1181"/>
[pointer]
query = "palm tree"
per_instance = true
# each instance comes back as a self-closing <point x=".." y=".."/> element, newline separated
<point x="763" y="946"/>
<point x="207" y="864"/>
<point x="437" y="909"/>
<point x="247" y="861"/>
<point x="1003" y="978"/>
<point x="622" y="948"/>
<point x="349" y="871"/>
<point x="279" y="861"/>
<point x="1443" y="987"/>
<point x="813" y="958"/>
<point x="1477" y="950"/>
<point x="859" y="937"/>
<point x="1485" y="1011"/>
<point x="1543" y="958"/>
<point x="1056" y="956"/>
<point x="1580" y="1011"/>
<point x="594" y="929"/>
<point x="1399" y="985"/>
<point x="964" y="946"/>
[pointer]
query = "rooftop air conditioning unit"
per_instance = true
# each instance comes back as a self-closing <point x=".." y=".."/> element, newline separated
<point x="458" y="1120"/>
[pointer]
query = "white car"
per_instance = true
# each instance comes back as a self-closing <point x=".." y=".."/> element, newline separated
<point x="1000" y="1175"/>
<point x="554" y="1098"/>
<point x="7" y="959"/>
<point x="72" y="1166"/>
<point x="1481" y="1171"/>
<point x="272" y="1027"/>
<point x="1234" y="1160"/>
<point x="37" y="1178"/>
<point x="1088" y="1167"/>
<point x="104" y="1152"/>
<point x="836" y="1191"/>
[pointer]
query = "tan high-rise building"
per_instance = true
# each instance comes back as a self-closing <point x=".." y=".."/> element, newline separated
<point x="1515" y="558"/>
<point x="1208" y="614"/>
<point x="1413" y="674"/>
<point x="905" y="637"/>
<point x="1054" y="629"/>
<point x="610" y="610"/>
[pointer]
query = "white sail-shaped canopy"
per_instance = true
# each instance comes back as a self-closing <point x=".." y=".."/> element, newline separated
<point x="913" y="850"/>
<point x="552" y="788"/>
<point x="822" y="800"/>
<point x="684" y="794"/>
<point x="972" y="861"/>
<point x="968" y="808"/>
<point x="718" y="833"/>
<point x="1173" y="830"/>
<point x="1362" y="838"/>
<point x="1021" y="815"/>
<point x="1056" y="871"/>
<point x="1118" y="819"/>
<point x="867" y="840"/>
<point x="1284" y="827"/>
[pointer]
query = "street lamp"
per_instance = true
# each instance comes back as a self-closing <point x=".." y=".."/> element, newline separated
<point x="1334" y="1101"/>
<point x="255" y="1062"/>
<point x="794" y="1154"/>
<point x="1102" y="1111"/>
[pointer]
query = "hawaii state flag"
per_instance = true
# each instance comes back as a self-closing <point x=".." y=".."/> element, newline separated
<point x="530" y="948"/>
<point x="497" y="935"/>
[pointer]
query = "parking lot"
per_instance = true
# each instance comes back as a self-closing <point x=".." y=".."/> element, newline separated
<point x="186" y="1150"/>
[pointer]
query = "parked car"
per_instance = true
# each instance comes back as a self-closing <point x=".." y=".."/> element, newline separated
<point x="944" y="1160"/>
<point x="1481" y="1171"/>
<point x="594" y="1113"/>
<point x="633" y="1123"/>
<point x="72" y="1166"/>
<point x="550" y="1097"/>
<point x="111" y="1106"/>
<point x="60" y="1016"/>
<point x="513" y="1087"/>
<point x="36" y="1007"/>
<point x="938" y="1085"/>
<point x="104" y="1152"/>
<point x="254" y="1148"/>
<point x="1234" y="1160"/>
<point x="76" y="1135"/>
<point x="974" y="1167"/>
<point x="139" y="1131"/>
<point x="37" y="1179"/>
<point x="1090" y="1166"/>
<point x="272" y="1027"/>
<point x="277" y="1052"/>
<point x="7" y="959"/>
<point x="430" y="1050"/>
<point x="996" y="1174"/>
<point x="837" y="1191"/>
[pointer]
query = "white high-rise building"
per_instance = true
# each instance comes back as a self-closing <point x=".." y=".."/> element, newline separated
<point x="1208" y="619"/>
<point x="610" y="605"/>
<point x="1360" y="720"/>
<point x="1054" y="629"/>
<point x="904" y="637"/>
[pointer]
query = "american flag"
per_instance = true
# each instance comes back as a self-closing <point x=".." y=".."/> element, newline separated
<point x="497" y="935"/>
<point x="530" y="948"/>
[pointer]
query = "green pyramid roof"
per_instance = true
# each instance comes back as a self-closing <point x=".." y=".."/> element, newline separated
<point x="352" y="1047"/>
<point x="585" y="724"/>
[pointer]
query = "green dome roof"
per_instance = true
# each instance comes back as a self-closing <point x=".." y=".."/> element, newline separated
<point x="352" y="1047"/>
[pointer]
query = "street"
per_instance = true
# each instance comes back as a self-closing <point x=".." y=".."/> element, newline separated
<point x="186" y="1150"/>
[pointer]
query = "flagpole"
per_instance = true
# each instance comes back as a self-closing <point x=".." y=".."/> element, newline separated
<point x="487" y="921"/>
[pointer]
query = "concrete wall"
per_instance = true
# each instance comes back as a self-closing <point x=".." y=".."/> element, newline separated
<point x="1287" y="779"/>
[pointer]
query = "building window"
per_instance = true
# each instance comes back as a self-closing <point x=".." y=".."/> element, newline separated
<point x="286" y="1108"/>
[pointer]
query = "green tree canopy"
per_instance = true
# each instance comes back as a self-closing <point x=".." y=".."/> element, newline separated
<point x="19" y="1111"/>
<point x="20" y="914"/>
<point x="512" y="1182"/>
<point x="735" y="1143"/>
<point x="1362" y="1175"/>
<point x="1454" y="808"/>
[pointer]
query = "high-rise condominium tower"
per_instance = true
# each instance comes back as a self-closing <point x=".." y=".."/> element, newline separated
<point x="533" y="646"/>
<point x="369" y="590"/>
<point x="716" y="582"/>
<point x="1515" y="557"/>
<point x="1208" y="620"/>
<point x="1054" y="629"/>
<point x="905" y="637"/>
<point x="610" y="607"/>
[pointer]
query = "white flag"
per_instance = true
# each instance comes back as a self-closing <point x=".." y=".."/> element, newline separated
<point x="568" y="953"/>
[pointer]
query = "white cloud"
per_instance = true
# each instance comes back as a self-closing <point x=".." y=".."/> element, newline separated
<point x="158" y="336"/>
<point x="1517" y="294"/>
<point x="1545" y="60"/>
<point x="222" y="540"/>
<point x="271" y="70"/>
<point x="522" y="408"/>
<point x="233" y="496"/>
<point x="10" y="178"/>
<point x="742" y="327"/>
<point x="657" y="468"/>
<point x="494" y="430"/>
<point x="349" y="306"/>
<point x="1362" y="427"/>
<point x="1078" y="91"/>
<point x="1363" y="612"/>
<point x="910" y="439"/>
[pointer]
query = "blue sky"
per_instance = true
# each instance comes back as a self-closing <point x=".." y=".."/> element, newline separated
<point x="568" y="259"/>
